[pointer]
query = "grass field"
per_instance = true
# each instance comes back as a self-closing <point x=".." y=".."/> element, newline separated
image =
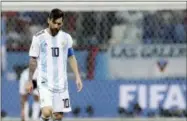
<point x="110" y="119"/>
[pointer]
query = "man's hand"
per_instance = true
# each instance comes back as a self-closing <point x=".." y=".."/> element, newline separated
<point x="79" y="84"/>
<point x="29" y="87"/>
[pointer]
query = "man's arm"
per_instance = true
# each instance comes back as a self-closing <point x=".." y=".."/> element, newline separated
<point x="74" y="67"/>
<point x="32" y="67"/>
<point x="73" y="64"/>
<point x="33" y="53"/>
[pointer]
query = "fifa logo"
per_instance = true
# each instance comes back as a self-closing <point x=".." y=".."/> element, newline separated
<point x="162" y="65"/>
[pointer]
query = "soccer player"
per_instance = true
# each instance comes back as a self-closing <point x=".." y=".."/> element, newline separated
<point x="24" y="97"/>
<point x="49" y="52"/>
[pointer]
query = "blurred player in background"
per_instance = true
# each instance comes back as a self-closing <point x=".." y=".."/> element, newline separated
<point x="49" y="52"/>
<point x="24" y="97"/>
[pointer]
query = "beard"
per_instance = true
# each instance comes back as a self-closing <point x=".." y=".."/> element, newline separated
<point x="54" y="31"/>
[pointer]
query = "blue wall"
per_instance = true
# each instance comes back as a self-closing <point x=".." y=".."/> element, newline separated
<point x="101" y="93"/>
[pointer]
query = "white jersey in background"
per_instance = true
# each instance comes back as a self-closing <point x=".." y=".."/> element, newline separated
<point x="23" y="81"/>
<point x="52" y="54"/>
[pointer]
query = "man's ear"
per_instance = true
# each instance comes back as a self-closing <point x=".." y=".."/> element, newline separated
<point x="48" y="20"/>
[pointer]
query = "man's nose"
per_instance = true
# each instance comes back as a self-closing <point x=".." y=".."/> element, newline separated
<point x="56" y="26"/>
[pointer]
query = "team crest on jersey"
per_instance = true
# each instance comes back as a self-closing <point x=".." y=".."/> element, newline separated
<point x="162" y="65"/>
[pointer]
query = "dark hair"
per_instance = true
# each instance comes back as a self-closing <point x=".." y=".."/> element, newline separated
<point x="55" y="14"/>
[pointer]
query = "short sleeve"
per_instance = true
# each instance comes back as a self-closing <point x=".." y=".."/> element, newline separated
<point x="70" y="41"/>
<point x="34" y="48"/>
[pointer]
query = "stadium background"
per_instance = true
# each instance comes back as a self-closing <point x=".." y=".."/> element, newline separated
<point x="126" y="52"/>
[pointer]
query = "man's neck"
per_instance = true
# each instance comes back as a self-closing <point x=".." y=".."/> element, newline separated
<point x="50" y="32"/>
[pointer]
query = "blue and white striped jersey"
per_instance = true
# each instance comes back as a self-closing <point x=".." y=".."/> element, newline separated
<point x="52" y="54"/>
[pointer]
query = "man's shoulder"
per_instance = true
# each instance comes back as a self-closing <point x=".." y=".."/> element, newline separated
<point x="41" y="32"/>
<point x="65" y="34"/>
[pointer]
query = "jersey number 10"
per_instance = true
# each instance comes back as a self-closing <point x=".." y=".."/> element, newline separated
<point x="55" y="51"/>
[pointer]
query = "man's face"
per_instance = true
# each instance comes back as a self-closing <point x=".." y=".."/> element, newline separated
<point x="55" y="25"/>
